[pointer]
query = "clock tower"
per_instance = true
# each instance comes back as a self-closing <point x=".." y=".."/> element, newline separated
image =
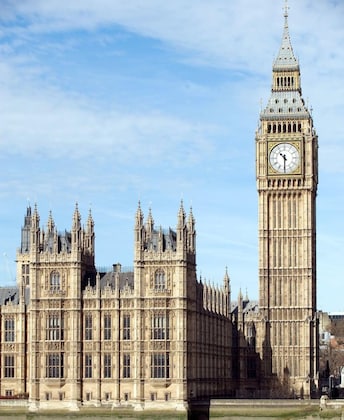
<point x="287" y="178"/>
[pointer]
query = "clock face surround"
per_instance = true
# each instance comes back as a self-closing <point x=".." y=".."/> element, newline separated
<point x="284" y="158"/>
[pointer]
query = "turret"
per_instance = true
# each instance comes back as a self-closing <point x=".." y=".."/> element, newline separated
<point x="191" y="232"/>
<point x="139" y="229"/>
<point x="50" y="238"/>
<point x="227" y="291"/>
<point x="89" y="235"/>
<point x="76" y="230"/>
<point x="151" y="239"/>
<point x="35" y="231"/>
<point x="181" y="229"/>
<point x="25" y="232"/>
<point x="149" y="225"/>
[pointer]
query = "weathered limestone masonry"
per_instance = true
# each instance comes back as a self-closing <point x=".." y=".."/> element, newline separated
<point x="287" y="178"/>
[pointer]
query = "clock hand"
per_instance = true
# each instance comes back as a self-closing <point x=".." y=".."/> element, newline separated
<point x="284" y="161"/>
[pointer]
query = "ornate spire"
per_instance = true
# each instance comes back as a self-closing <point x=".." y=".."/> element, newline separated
<point x="35" y="217"/>
<point x="286" y="100"/>
<point x="50" y="224"/>
<point x="226" y="281"/>
<point x="181" y="215"/>
<point x="76" y="218"/>
<point x="150" y="221"/>
<point x="240" y="297"/>
<point x="139" y="215"/>
<point x="191" y="220"/>
<point x="285" y="59"/>
<point x="90" y="225"/>
<point x="90" y="222"/>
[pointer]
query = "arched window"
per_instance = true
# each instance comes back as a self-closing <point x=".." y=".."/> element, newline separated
<point x="54" y="327"/>
<point x="9" y="329"/>
<point x="159" y="281"/>
<point x="55" y="281"/>
<point x="251" y="335"/>
<point x="160" y="326"/>
<point x="88" y="327"/>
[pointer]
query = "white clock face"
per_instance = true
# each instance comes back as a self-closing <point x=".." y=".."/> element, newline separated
<point x="284" y="158"/>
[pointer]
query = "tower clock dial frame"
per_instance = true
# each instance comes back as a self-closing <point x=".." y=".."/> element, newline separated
<point x="284" y="158"/>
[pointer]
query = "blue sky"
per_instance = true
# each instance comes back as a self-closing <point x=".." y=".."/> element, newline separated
<point x="110" y="102"/>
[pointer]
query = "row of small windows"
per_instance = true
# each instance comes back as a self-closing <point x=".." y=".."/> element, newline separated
<point x="290" y="110"/>
<point x="126" y="396"/>
<point x="285" y="81"/>
<point x="160" y="366"/>
<point x="88" y="331"/>
<point x="89" y="396"/>
<point x="55" y="365"/>
<point x="284" y="128"/>
<point x="55" y="279"/>
<point x="285" y="100"/>
<point x="160" y="328"/>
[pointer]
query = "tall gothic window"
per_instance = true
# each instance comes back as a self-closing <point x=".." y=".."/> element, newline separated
<point x="55" y="281"/>
<point x="126" y="366"/>
<point x="9" y="329"/>
<point x="160" y="365"/>
<point x="26" y="274"/>
<point x="159" y="281"/>
<point x="126" y="327"/>
<point x="88" y="366"/>
<point x="251" y="336"/>
<point x="54" y="365"/>
<point x="107" y="327"/>
<point x="160" y="327"/>
<point x="107" y="365"/>
<point x="54" y="327"/>
<point x="8" y="366"/>
<point x="88" y="327"/>
<point x="251" y="367"/>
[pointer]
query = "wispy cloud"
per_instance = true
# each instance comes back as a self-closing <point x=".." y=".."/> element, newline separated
<point x="113" y="101"/>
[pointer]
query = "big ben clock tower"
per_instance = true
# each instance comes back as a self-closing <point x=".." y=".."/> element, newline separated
<point x="287" y="178"/>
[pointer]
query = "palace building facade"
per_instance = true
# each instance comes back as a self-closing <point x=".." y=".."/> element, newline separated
<point x="156" y="335"/>
<point x="150" y="335"/>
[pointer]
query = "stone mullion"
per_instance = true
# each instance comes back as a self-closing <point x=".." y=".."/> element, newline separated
<point x="97" y="353"/>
